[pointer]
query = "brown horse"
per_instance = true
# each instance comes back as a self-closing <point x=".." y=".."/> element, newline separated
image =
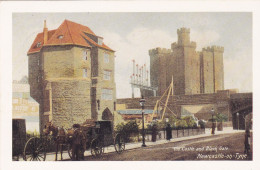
<point x="59" y="136"/>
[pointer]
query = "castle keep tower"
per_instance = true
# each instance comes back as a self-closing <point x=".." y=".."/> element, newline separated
<point x="71" y="75"/>
<point x="192" y="72"/>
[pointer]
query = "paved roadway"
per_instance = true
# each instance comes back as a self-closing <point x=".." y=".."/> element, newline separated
<point x="219" y="147"/>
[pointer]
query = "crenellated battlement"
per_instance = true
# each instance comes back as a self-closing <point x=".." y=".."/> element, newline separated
<point x="214" y="48"/>
<point x="159" y="50"/>
<point x="174" y="45"/>
<point x="183" y="30"/>
<point x="217" y="48"/>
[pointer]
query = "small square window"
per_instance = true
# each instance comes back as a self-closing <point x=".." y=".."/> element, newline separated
<point x="38" y="44"/>
<point x="85" y="71"/>
<point x="107" y="75"/>
<point x="106" y="58"/>
<point x="106" y="94"/>
<point x="85" y="55"/>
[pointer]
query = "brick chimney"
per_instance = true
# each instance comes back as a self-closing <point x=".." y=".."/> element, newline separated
<point x="45" y="33"/>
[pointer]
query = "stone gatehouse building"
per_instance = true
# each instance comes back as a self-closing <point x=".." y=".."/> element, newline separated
<point x="71" y="75"/>
<point x="193" y="72"/>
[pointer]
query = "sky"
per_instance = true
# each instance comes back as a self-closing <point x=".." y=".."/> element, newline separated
<point x="131" y="35"/>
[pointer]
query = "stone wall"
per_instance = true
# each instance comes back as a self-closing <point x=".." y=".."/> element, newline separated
<point x="65" y="96"/>
<point x="218" y="67"/>
<point x="207" y="71"/>
<point x="35" y="76"/>
<point x="159" y="71"/>
<point x="71" y="102"/>
<point x="105" y="104"/>
<point x="220" y="103"/>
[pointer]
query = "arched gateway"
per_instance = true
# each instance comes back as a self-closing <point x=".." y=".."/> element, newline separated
<point x="107" y="115"/>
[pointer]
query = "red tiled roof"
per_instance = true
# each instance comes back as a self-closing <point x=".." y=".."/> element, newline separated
<point x="39" y="39"/>
<point x="72" y="33"/>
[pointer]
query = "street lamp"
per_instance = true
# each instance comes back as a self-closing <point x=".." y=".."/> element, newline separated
<point x="142" y="101"/>
<point x="213" y="130"/>
<point x="237" y="121"/>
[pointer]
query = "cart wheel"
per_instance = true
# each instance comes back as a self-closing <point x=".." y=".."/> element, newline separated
<point x="119" y="143"/>
<point x="96" y="148"/>
<point x="34" y="150"/>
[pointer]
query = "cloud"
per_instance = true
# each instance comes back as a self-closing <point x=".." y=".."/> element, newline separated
<point x="205" y="38"/>
<point x="134" y="45"/>
<point x="236" y="72"/>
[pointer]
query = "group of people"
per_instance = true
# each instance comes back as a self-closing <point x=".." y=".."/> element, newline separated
<point x="168" y="132"/>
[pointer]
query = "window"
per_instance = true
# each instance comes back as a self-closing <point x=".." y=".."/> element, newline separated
<point x="100" y="41"/>
<point x="85" y="55"/>
<point x="85" y="73"/>
<point x="106" y="94"/>
<point x="106" y="58"/>
<point x="60" y="36"/>
<point x="38" y="44"/>
<point x="107" y="75"/>
<point x="38" y="62"/>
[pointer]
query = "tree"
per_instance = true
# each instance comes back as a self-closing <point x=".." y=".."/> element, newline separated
<point x="127" y="129"/>
<point x="181" y="123"/>
<point x="190" y="121"/>
<point x="221" y="117"/>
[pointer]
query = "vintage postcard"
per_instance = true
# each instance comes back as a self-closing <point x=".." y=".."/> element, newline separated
<point x="101" y="84"/>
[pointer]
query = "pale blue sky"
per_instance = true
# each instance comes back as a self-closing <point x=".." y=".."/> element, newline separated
<point x="131" y="35"/>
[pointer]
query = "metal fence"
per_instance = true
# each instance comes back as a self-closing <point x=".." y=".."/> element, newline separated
<point x="161" y="134"/>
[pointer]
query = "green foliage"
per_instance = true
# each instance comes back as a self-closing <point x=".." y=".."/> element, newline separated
<point x="127" y="129"/>
<point x="190" y="121"/>
<point x="172" y="121"/>
<point x="132" y="127"/>
<point x="162" y="124"/>
<point x="185" y="122"/>
<point x="181" y="123"/>
<point x="221" y="117"/>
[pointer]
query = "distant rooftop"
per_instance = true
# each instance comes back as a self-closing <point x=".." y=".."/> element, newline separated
<point x="23" y="80"/>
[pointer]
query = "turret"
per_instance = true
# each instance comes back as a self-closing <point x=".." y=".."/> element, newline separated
<point x="183" y="36"/>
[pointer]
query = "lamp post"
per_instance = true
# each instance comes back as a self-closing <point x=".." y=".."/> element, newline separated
<point x="142" y="101"/>
<point x="237" y="121"/>
<point x="213" y="130"/>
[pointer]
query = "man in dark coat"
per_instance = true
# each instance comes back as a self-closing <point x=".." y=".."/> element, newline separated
<point x="76" y="143"/>
<point x="168" y="132"/>
<point x="154" y="133"/>
<point x="247" y="141"/>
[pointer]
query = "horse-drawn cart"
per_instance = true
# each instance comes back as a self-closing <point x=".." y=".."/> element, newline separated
<point x="92" y="135"/>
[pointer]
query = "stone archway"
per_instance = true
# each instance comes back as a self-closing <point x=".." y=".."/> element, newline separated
<point x="107" y="115"/>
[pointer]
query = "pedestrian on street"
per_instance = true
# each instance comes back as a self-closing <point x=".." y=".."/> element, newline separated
<point x="76" y="143"/>
<point x="154" y="132"/>
<point x="247" y="141"/>
<point x="168" y="132"/>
